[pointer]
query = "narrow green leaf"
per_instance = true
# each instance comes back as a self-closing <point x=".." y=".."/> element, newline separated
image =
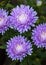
<point x="9" y="5"/>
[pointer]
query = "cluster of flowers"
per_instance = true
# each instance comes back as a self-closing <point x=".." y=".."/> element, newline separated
<point x="21" y="19"/>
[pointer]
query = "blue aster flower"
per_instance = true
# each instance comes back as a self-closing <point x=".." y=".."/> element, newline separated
<point x="39" y="35"/>
<point x="22" y="18"/>
<point x="18" y="47"/>
<point x="3" y="21"/>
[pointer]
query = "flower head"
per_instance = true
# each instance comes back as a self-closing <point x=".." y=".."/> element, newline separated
<point x="22" y="18"/>
<point x="39" y="2"/>
<point x="39" y="35"/>
<point x="18" y="47"/>
<point x="3" y="21"/>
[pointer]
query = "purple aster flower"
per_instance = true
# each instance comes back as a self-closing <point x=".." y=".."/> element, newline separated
<point x="3" y="21"/>
<point x="18" y="47"/>
<point x="22" y="18"/>
<point x="39" y="35"/>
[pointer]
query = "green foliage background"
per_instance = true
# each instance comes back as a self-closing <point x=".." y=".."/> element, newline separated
<point x="38" y="56"/>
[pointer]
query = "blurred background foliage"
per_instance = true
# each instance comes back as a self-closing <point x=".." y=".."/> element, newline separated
<point x="38" y="56"/>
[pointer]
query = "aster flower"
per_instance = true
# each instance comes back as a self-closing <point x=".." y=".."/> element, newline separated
<point x="22" y="18"/>
<point x="39" y="2"/>
<point x="3" y="21"/>
<point x="39" y="35"/>
<point x="18" y="47"/>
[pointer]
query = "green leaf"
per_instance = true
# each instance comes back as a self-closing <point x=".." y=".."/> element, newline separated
<point x="9" y="6"/>
<point x="31" y="3"/>
<point x="24" y="62"/>
<point x="8" y="34"/>
<point x="2" y="47"/>
<point x="2" y="4"/>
